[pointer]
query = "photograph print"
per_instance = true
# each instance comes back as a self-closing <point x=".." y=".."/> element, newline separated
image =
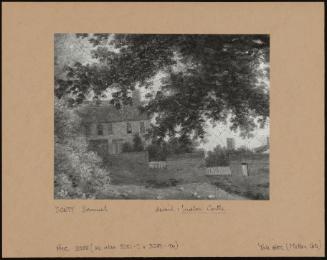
<point x="161" y="116"/>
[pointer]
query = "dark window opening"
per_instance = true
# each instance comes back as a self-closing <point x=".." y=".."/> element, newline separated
<point x="87" y="130"/>
<point x="110" y="132"/>
<point x="100" y="129"/>
<point x="129" y="128"/>
<point x="142" y="127"/>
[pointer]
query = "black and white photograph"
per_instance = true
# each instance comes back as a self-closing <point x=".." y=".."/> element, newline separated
<point x="161" y="116"/>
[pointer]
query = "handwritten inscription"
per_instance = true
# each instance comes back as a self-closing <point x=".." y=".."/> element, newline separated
<point x="185" y="209"/>
<point x="210" y="208"/>
<point x="288" y="246"/>
<point x="64" y="209"/>
<point x="61" y="248"/>
<point x="82" y="209"/>
<point x="89" y="209"/>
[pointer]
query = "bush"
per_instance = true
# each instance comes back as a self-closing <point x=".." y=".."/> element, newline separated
<point x="183" y="144"/>
<point x="137" y="143"/>
<point x="127" y="147"/>
<point x="217" y="157"/>
<point x="78" y="172"/>
<point x="160" y="150"/>
<point x="157" y="152"/>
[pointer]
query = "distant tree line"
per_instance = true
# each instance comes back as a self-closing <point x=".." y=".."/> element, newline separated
<point x="159" y="150"/>
<point x="219" y="156"/>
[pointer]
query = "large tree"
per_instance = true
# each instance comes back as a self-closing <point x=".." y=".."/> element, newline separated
<point x="206" y="78"/>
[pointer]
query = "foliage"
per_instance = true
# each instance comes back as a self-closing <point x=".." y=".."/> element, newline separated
<point x="242" y="151"/>
<point x="127" y="147"/>
<point x="78" y="172"/>
<point x="183" y="144"/>
<point x="157" y="151"/>
<point x="217" y="157"/>
<point x="137" y="143"/>
<point x="220" y="155"/>
<point x="208" y="77"/>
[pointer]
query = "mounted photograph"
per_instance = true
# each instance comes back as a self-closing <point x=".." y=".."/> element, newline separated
<point x="161" y="116"/>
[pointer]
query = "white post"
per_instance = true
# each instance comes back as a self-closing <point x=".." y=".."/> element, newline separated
<point x="244" y="169"/>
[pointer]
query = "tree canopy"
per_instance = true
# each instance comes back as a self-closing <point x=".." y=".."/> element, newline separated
<point x="207" y="78"/>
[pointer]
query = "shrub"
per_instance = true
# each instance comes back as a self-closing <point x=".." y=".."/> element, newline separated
<point x="183" y="144"/>
<point x="137" y="143"/>
<point x="127" y="147"/>
<point x="157" y="152"/>
<point x="241" y="151"/>
<point x="217" y="157"/>
<point x="78" y="172"/>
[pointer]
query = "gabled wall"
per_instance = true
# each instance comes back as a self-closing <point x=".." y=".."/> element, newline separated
<point x="119" y="133"/>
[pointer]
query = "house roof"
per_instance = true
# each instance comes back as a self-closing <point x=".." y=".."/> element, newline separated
<point x="107" y="113"/>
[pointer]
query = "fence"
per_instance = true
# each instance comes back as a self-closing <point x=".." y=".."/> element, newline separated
<point x="218" y="171"/>
<point x="158" y="165"/>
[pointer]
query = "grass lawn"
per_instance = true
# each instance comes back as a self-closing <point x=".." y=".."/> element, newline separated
<point x="144" y="183"/>
<point x="156" y="178"/>
<point x="189" y="191"/>
<point x="252" y="187"/>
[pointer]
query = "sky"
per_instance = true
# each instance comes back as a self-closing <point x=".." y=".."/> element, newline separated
<point x="68" y="50"/>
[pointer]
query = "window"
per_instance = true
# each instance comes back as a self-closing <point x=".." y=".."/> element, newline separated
<point x="87" y="130"/>
<point x="110" y="132"/>
<point x="129" y="128"/>
<point x="100" y="129"/>
<point x="142" y="127"/>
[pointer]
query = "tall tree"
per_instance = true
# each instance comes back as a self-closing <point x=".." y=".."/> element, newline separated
<point x="207" y="78"/>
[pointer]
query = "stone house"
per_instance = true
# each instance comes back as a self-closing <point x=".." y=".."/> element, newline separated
<point x="107" y="128"/>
